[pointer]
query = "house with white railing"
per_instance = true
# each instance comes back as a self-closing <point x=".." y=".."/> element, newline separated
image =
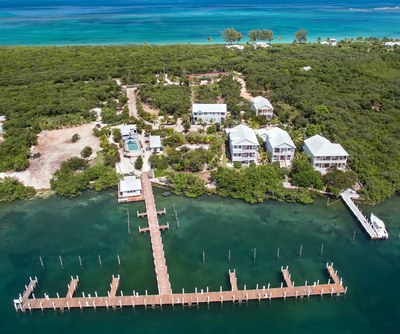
<point x="280" y="146"/>
<point x="243" y="144"/>
<point x="262" y="107"/>
<point x="324" y="154"/>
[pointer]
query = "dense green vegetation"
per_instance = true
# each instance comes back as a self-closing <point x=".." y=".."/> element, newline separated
<point x="75" y="176"/>
<point x="350" y="95"/>
<point x="186" y="184"/>
<point x="11" y="189"/>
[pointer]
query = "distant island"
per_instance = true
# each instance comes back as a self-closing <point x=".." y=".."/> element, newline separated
<point x="75" y="118"/>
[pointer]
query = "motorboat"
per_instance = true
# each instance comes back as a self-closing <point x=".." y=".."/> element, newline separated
<point x="379" y="227"/>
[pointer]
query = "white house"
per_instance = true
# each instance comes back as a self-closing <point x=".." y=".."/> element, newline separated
<point x="155" y="144"/>
<point x="392" y="43"/>
<point x="263" y="107"/>
<point x="243" y="144"/>
<point x="128" y="131"/>
<point x="2" y="121"/>
<point x="280" y="146"/>
<point x="209" y="112"/>
<point x="306" y="68"/>
<point x="129" y="189"/>
<point x="324" y="154"/>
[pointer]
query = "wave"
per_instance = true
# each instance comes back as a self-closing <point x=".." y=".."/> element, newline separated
<point x="393" y="8"/>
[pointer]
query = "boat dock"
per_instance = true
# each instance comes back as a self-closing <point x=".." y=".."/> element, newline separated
<point x="347" y="199"/>
<point x="203" y="296"/>
<point x="28" y="301"/>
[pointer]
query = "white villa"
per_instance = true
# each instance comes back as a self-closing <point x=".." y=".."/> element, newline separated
<point x="324" y="154"/>
<point x="208" y="112"/>
<point x="129" y="189"/>
<point x="280" y="146"/>
<point x="263" y="107"/>
<point x="155" y="144"/>
<point x="243" y="144"/>
<point x="128" y="131"/>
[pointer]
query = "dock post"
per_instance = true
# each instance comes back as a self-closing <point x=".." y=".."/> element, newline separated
<point x="99" y="257"/>
<point x="331" y="291"/>
<point x="95" y="293"/>
<point x="204" y="257"/>
<point x="41" y="262"/>
<point x="54" y="306"/>
<point x="317" y="282"/>
<point x="107" y="304"/>
<point x="284" y="295"/>
<point x="322" y="292"/>
<point x="68" y="306"/>
<point x="195" y="289"/>
<point x="145" y="292"/>
<point x="207" y="289"/>
<point x="94" y="304"/>
<point x="120" y="304"/>
<point x="183" y="291"/>
<point x="257" y="286"/>
<point x="119" y="260"/>
<point x="61" y="261"/>
<point x="268" y="286"/>
<point x="220" y="288"/>
<point x="58" y="296"/>
<point x="244" y="288"/>
<point x="301" y="250"/>
<point x="229" y="256"/>
<point x="29" y="306"/>
<point x="354" y="236"/>
<point x="305" y="283"/>
<point x="281" y="285"/>
<point x="254" y="254"/>
<point x="80" y="261"/>
<point x="277" y="254"/>
<point x="322" y="250"/>
<point x="345" y="290"/>
<point x="41" y="306"/>
<point x="329" y="281"/>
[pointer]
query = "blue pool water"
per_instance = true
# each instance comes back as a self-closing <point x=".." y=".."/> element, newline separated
<point x="57" y="22"/>
<point x="132" y="145"/>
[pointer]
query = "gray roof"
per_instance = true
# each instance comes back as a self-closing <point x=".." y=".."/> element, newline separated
<point x="155" y="141"/>
<point x="277" y="137"/>
<point x="241" y="134"/>
<point x="207" y="108"/>
<point x="127" y="129"/>
<point x="321" y="147"/>
<point x="130" y="183"/>
<point x="259" y="102"/>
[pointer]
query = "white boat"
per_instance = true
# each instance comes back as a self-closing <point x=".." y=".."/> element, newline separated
<point x="379" y="227"/>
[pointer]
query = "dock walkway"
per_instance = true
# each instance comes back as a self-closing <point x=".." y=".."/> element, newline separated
<point x="160" y="264"/>
<point x="333" y="287"/>
<point x="346" y="196"/>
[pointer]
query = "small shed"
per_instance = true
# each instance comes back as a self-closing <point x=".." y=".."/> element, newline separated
<point x="155" y="144"/>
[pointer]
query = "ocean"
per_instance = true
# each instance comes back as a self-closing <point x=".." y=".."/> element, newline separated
<point x="94" y="224"/>
<point x="66" y="22"/>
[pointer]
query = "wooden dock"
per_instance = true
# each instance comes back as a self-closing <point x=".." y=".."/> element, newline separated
<point x="235" y="295"/>
<point x="346" y="196"/>
<point x="147" y="229"/>
<point x="29" y="302"/>
<point x="160" y="264"/>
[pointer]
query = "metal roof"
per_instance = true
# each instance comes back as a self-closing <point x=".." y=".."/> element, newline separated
<point x="130" y="183"/>
<point x="320" y="146"/>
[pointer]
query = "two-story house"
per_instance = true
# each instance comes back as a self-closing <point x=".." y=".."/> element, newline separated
<point x="280" y="146"/>
<point x="324" y="154"/>
<point x="209" y="113"/>
<point x="263" y="107"/>
<point x="243" y="144"/>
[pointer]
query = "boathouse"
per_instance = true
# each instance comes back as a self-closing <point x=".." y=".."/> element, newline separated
<point x="129" y="189"/>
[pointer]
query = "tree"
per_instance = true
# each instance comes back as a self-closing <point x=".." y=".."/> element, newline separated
<point x="265" y="35"/>
<point x="187" y="184"/>
<point x="304" y="175"/>
<point x="139" y="162"/>
<point x="117" y="134"/>
<point x="253" y="35"/>
<point x="75" y="138"/>
<point x="11" y="189"/>
<point x="301" y="36"/>
<point x="337" y="180"/>
<point x="209" y="39"/>
<point x="231" y="35"/>
<point x="86" y="152"/>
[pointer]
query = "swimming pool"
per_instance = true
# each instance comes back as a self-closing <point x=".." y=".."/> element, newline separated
<point x="132" y="145"/>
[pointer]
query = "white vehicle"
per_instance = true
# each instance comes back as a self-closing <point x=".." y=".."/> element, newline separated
<point x="379" y="227"/>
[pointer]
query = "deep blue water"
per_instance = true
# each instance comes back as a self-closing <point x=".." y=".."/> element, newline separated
<point x="54" y="22"/>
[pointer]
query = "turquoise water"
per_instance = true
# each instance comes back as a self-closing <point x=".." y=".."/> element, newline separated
<point x="132" y="145"/>
<point x="94" y="224"/>
<point x="55" y="22"/>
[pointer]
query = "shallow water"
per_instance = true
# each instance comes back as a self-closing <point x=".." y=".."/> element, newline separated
<point x="94" y="224"/>
<point x="55" y="22"/>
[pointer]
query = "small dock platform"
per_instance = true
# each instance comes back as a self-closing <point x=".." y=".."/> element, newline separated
<point x="347" y="199"/>
<point x="144" y="214"/>
<point x="114" y="285"/>
<point x="233" y="280"/>
<point x="72" y="287"/>
<point x="287" y="277"/>
<point x="147" y="229"/>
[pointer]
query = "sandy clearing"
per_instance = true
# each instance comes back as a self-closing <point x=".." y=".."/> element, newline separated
<point x="55" y="146"/>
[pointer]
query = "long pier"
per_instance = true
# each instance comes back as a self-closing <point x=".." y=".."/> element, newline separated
<point x="160" y="264"/>
<point x="29" y="302"/>
<point x="358" y="214"/>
